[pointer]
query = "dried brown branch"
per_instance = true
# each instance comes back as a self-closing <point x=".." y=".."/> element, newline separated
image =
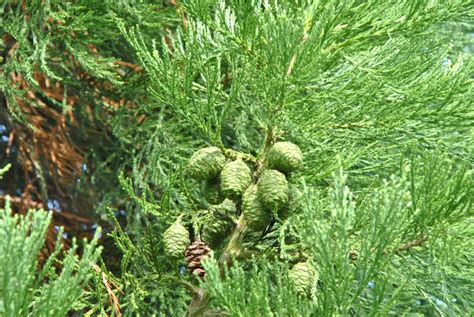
<point x="112" y="297"/>
<point x="134" y="67"/>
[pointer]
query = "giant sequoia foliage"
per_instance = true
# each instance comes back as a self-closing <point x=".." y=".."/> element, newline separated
<point x="105" y="104"/>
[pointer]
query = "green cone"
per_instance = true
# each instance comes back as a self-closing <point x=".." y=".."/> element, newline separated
<point x="273" y="189"/>
<point x="235" y="178"/>
<point x="211" y="191"/>
<point x="206" y="163"/>
<point x="226" y="207"/>
<point x="256" y="216"/>
<point x="215" y="230"/>
<point x="304" y="277"/>
<point x="294" y="204"/>
<point x="176" y="240"/>
<point x="285" y="157"/>
<point x="215" y="225"/>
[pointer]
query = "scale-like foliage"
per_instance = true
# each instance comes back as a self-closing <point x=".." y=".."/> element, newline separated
<point x="377" y="94"/>
<point x="377" y="268"/>
<point x="367" y="82"/>
<point x="360" y="79"/>
<point x="25" y="291"/>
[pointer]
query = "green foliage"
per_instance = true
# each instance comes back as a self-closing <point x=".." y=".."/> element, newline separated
<point x="26" y="291"/>
<point x="149" y="276"/>
<point x="258" y="289"/>
<point x="377" y="95"/>
<point x="76" y="48"/>
<point x="370" y="76"/>
<point x="384" y="278"/>
<point x="366" y="83"/>
<point x="5" y="169"/>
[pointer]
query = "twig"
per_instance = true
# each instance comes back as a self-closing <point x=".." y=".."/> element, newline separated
<point x="349" y="125"/>
<point x="354" y="254"/>
<point x="260" y="164"/>
<point x="307" y="26"/>
<point x="31" y="204"/>
<point x="134" y="67"/>
<point x="233" y="246"/>
<point x="22" y="202"/>
<point x="112" y="298"/>
<point x="233" y="154"/>
<point x="189" y="286"/>
<point x="198" y="305"/>
<point x="414" y="243"/>
<point x="182" y="14"/>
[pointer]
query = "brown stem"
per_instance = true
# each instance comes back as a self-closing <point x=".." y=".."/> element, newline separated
<point x="233" y="247"/>
<point x="107" y="284"/>
<point x="260" y="164"/>
<point x="233" y="154"/>
<point x="411" y="244"/>
<point x="198" y="305"/>
<point x="354" y="254"/>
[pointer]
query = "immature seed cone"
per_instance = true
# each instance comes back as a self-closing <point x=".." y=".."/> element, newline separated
<point x="226" y="207"/>
<point x="176" y="239"/>
<point x="285" y="157"/>
<point x="294" y="204"/>
<point x="304" y="277"/>
<point x="272" y="189"/>
<point x="217" y="225"/>
<point x="215" y="230"/>
<point x="256" y="216"/>
<point x="206" y="163"/>
<point x="211" y="191"/>
<point x="194" y="255"/>
<point x="235" y="178"/>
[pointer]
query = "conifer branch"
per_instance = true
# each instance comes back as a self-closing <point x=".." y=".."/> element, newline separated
<point x="382" y="85"/>
<point x="199" y="303"/>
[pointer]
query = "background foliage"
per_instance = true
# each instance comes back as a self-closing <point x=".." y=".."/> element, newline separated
<point x="103" y="102"/>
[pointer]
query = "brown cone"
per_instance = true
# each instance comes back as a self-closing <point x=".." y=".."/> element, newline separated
<point x="194" y="255"/>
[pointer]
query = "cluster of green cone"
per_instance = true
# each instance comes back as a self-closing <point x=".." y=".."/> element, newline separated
<point x="266" y="198"/>
<point x="271" y="196"/>
<point x="263" y="196"/>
